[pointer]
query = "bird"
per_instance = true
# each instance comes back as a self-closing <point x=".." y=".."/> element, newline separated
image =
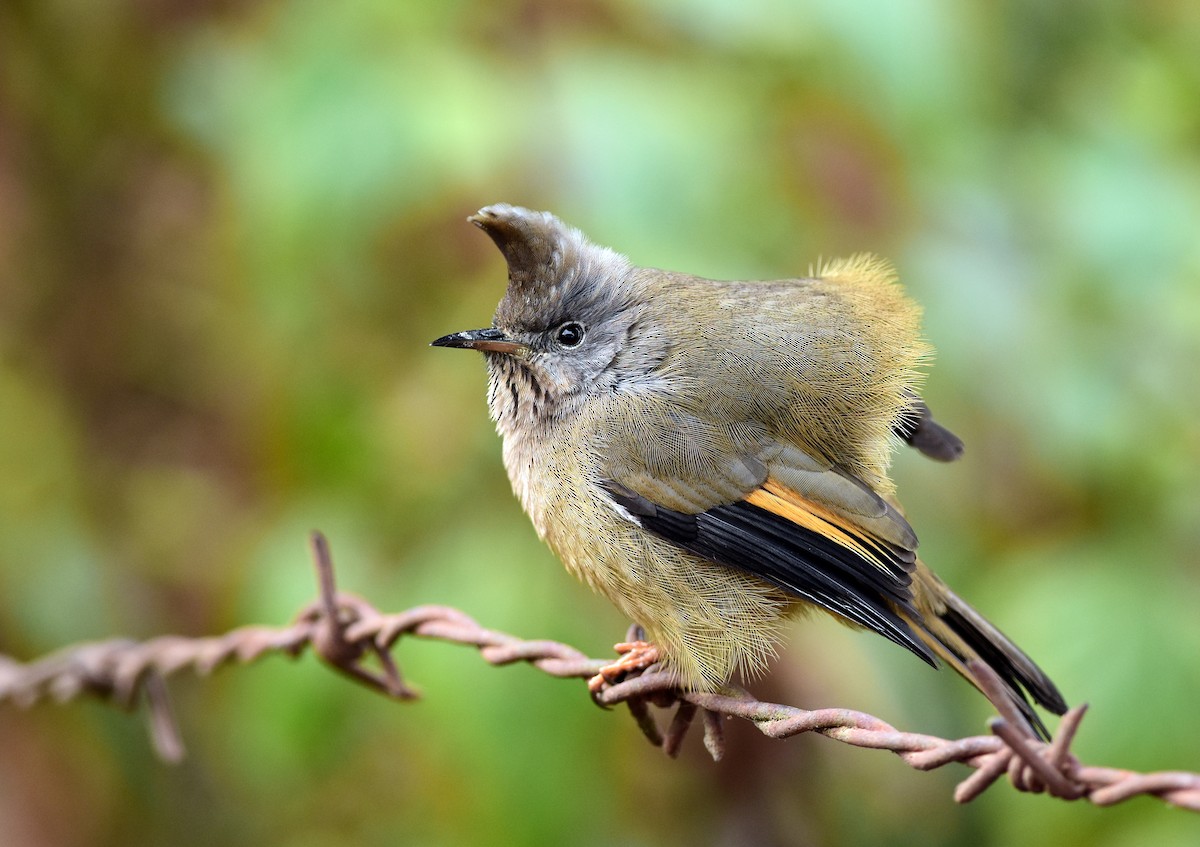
<point x="712" y="456"/>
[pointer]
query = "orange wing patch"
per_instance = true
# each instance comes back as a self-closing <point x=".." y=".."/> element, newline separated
<point x="814" y="517"/>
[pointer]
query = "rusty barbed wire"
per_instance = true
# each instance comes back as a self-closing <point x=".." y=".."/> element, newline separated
<point x="357" y="640"/>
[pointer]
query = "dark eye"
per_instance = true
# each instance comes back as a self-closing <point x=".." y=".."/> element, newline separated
<point x="570" y="334"/>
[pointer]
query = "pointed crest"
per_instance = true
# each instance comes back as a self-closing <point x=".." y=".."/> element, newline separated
<point x="532" y="242"/>
<point x="551" y="265"/>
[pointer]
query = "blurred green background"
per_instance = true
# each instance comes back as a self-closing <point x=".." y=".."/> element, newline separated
<point x="228" y="231"/>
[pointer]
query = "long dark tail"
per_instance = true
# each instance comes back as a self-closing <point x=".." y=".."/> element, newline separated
<point x="958" y="634"/>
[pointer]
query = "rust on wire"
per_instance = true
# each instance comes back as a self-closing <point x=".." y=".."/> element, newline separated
<point x="356" y="640"/>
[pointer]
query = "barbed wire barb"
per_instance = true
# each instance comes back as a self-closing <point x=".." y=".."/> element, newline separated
<point x="356" y="640"/>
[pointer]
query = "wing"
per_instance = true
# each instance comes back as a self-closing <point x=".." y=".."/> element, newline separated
<point x="799" y="547"/>
<point x="776" y="512"/>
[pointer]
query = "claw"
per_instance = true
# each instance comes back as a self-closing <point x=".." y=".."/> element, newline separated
<point x="635" y="656"/>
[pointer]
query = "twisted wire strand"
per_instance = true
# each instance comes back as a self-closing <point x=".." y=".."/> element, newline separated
<point x="357" y="640"/>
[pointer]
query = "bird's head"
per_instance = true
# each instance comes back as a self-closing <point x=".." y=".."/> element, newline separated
<point x="570" y="324"/>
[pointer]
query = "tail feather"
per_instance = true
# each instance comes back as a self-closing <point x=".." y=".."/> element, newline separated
<point x="958" y="634"/>
<point x="920" y="430"/>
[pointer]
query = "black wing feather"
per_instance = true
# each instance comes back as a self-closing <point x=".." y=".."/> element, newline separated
<point x="796" y="559"/>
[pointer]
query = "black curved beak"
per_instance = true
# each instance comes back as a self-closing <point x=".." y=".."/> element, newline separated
<point x="488" y="340"/>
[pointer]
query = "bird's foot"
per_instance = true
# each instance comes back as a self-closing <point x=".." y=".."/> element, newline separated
<point x="635" y="656"/>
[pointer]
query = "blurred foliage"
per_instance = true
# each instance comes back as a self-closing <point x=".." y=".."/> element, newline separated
<point x="229" y="229"/>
